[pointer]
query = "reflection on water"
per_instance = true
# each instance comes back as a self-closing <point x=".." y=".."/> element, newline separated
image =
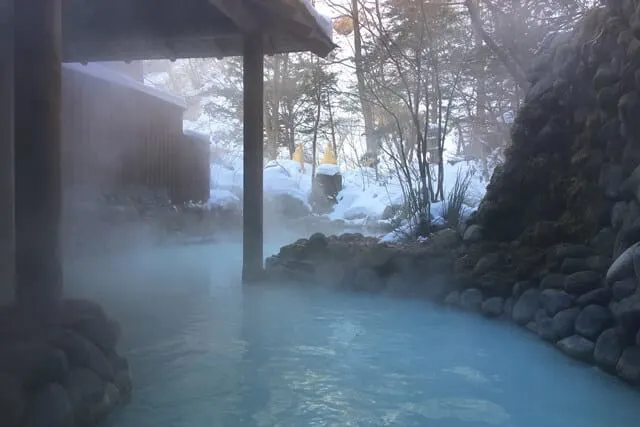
<point x="206" y="351"/>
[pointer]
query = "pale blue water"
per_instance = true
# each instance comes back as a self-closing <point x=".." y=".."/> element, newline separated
<point x="207" y="352"/>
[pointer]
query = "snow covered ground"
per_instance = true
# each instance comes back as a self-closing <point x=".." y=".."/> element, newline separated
<point x="362" y="201"/>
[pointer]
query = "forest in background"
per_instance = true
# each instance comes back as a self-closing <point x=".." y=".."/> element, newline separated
<point x="413" y="84"/>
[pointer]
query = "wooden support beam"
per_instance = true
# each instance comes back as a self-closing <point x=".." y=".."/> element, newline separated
<point x="7" y="223"/>
<point x="37" y="154"/>
<point x="252" y="240"/>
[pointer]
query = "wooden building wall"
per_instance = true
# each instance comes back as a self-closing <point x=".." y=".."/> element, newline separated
<point x="115" y="136"/>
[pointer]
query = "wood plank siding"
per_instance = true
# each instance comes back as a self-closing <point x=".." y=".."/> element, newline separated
<point x="115" y="136"/>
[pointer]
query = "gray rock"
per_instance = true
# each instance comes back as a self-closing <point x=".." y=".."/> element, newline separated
<point x="471" y="299"/>
<point x="83" y="353"/>
<point x="318" y="241"/>
<point x="577" y="347"/>
<point x="573" y="265"/>
<point x="54" y="367"/>
<point x="84" y="387"/>
<point x="592" y="320"/>
<point x="453" y="299"/>
<point x="110" y="400"/>
<point x="608" y="350"/>
<point x="51" y="407"/>
<point x="603" y="242"/>
<point x="618" y="213"/>
<point x="600" y="296"/>
<point x="532" y="326"/>
<point x="628" y="367"/>
<point x="622" y="268"/>
<point x="554" y="301"/>
<point x="563" y="251"/>
<point x="598" y="263"/>
<point x="582" y="282"/>
<point x="520" y="287"/>
<point x="368" y="280"/>
<point x="493" y="307"/>
<point x="624" y="288"/>
<point x="473" y="233"/>
<point x="524" y="310"/>
<point x="627" y="312"/>
<point x="553" y="281"/>
<point x="611" y="179"/>
<point x="564" y="322"/>
<point x="508" y="308"/>
<point x="545" y="329"/>
<point x="486" y="263"/>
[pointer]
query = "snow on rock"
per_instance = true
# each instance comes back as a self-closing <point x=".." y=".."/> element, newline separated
<point x="327" y="169"/>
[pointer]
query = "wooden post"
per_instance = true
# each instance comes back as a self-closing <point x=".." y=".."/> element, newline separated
<point x="252" y="236"/>
<point x="37" y="154"/>
<point x="7" y="224"/>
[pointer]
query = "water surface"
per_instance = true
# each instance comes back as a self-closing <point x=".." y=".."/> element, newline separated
<point x="206" y="351"/>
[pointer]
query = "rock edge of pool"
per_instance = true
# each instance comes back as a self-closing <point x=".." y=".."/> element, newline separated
<point x="568" y="295"/>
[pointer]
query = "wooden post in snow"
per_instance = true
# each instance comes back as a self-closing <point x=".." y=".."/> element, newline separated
<point x="37" y="154"/>
<point x="252" y="240"/>
<point x="7" y="224"/>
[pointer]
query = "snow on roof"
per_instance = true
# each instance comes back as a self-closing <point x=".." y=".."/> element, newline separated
<point x="104" y="73"/>
<point x="323" y="22"/>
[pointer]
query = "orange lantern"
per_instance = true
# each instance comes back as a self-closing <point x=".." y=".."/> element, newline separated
<point x="343" y="25"/>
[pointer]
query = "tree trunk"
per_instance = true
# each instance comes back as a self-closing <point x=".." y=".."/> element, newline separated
<point x="367" y="110"/>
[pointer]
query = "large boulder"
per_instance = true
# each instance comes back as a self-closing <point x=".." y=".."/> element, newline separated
<point x="577" y="347"/>
<point x="582" y="282"/>
<point x="608" y="350"/>
<point x="592" y="320"/>
<point x="563" y="323"/>
<point x="471" y="300"/>
<point x="493" y="307"/>
<point x="51" y="408"/>
<point x="554" y="301"/>
<point x="628" y="367"/>
<point x="622" y="267"/>
<point x="627" y="312"/>
<point x="524" y="310"/>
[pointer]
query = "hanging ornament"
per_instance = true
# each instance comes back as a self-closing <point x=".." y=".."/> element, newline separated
<point x="343" y="25"/>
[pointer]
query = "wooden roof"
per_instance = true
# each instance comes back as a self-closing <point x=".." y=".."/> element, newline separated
<point x="124" y="30"/>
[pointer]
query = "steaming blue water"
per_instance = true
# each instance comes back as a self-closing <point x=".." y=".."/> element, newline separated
<point x="206" y="351"/>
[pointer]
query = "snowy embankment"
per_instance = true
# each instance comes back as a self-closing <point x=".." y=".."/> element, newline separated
<point x="364" y="201"/>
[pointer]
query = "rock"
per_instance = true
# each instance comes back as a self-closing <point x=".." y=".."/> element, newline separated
<point x="318" y="242"/>
<point x="622" y="268"/>
<point x="471" y="300"/>
<point x="532" y="326"/>
<point x="545" y="329"/>
<point x="286" y="205"/>
<point x="553" y="281"/>
<point x="493" y="307"/>
<point x="368" y="280"/>
<point x="600" y="296"/>
<point x="453" y="299"/>
<point x="603" y="242"/>
<point x="628" y="367"/>
<point x="85" y="354"/>
<point x="598" y="263"/>
<point x="486" y="263"/>
<point x="582" y="282"/>
<point x="618" y="213"/>
<point x="51" y="407"/>
<point x="624" y="288"/>
<point x="554" y="301"/>
<point x="110" y="399"/>
<point x="564" y="322"/>
<point x="592" y="321"/>
<point x="12" y="400"/>
<point x="508" y="307"/>
<point x="520" y="287"/>
<point x="472" y="234"/>
<point x="89" y="320"/>
<point x="563" y="251"/>
<point x="574" y="265"/>
<point x="577" y="347"/>
<point x="627" y="312"/>
<point x="444" y="239"/>
<point x="525" y="308"/>
<point x="611" y="180"/>
<point x="54" y="367"/>
<point x="608" y="350"/>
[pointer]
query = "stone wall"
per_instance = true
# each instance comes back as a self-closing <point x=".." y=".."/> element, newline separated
<point x="66" y="374"/>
